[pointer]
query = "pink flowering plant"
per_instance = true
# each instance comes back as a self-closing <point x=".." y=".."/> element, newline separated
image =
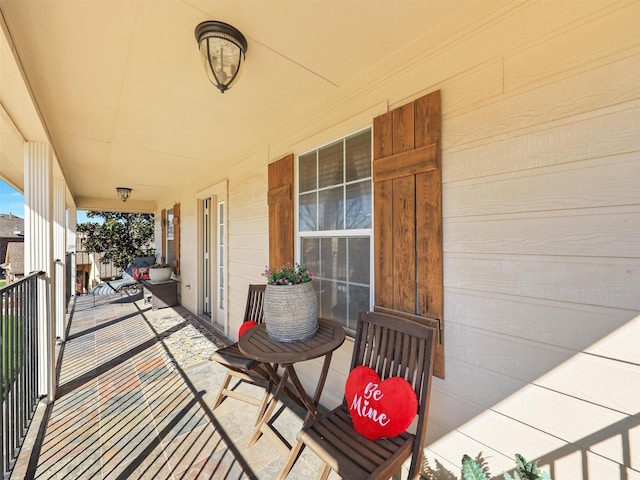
<point x="288" y="275"/>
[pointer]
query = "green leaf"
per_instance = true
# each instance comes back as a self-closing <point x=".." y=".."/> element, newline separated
<point x="120" y="238"/>
<point x="529" y="470"/>
<point x="471" y="470"/>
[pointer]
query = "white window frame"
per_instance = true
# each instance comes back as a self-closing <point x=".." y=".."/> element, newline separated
<point x="343" y="233"/>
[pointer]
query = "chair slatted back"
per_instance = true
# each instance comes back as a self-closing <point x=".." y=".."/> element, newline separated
<point x="255" y="304"/>
<point x="395" y="346"/>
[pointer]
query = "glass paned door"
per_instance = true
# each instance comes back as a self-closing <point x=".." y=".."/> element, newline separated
<point x="206" y="256"/>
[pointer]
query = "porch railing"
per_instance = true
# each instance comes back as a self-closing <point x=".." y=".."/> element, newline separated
<point x="18" y="363"/>
<point x="67" y="279"/>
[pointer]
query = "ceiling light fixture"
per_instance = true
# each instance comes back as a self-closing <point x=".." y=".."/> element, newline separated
<point x="222" y="48"/>
<point x="123" y="193"/>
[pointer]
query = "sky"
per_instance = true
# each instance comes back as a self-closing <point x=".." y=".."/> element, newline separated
<point x="12" y="201"/>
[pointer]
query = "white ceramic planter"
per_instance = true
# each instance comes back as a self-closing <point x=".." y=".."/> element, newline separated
<point x="159" y="274"/>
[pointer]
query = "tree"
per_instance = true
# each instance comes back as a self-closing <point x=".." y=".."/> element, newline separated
<point x="120" y="238"/>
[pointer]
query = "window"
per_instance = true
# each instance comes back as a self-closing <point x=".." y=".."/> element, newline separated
<point x="335" y="224"/>
<point x="168" y="248"/>
<point x="170" y="220"/>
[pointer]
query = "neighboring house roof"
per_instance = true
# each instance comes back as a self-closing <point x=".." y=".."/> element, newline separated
<point x="15" y="257"/>
<point x="11" y="230"/>
<point x="11" y="226"/>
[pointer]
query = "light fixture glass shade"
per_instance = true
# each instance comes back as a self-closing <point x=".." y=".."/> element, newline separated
<point x="123" y="193"/>
<point x="222" y="49"/>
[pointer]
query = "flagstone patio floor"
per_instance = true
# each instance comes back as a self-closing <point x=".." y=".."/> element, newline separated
<point x="134" y="401"/>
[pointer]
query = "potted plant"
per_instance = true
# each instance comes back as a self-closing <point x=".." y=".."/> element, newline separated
<point x="472" y="470"/>
<point x="290" y="304"/>
<point x="159" y="272"/>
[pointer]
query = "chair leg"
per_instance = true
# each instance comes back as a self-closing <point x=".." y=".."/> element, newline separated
<point x="221" y="395"/>
<point x="293" y="456"/>
<point x="324" y="473"/>
<point x="264" y="403"/>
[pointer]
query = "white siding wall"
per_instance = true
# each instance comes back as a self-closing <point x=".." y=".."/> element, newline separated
<point x="541" y="173"/>
<point x="542" y="249"/>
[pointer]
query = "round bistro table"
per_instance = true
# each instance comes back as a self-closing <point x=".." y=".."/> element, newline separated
<point x="256" y="344"/>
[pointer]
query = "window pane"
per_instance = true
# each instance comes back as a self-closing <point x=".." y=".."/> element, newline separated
<point x="330" y="164"/>
<point x="333" y="301"/>
<point x="359" y="256"/>
<point x="358" y="156"/>
<point x="330" y="209"/>
<point x="307" y="213"/>
<point x="333" y="258"/>
<point x="358" y="300"/>
<point x="359" y="205"/>
<point x="310" y="255"/>
<point x="169" y="255"/>
<point x="308" y="177"/>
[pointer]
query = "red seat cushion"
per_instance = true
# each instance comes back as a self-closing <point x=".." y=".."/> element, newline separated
<point x="246" y="326"/>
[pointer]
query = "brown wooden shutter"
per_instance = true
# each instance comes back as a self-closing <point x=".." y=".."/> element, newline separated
<point x="281" y="224"/>
<point x="176" y="238"/>
<point x="163" y="228"/>
<point x="407" y="177"/>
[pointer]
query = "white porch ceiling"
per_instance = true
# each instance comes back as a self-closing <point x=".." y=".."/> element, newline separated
<point x="125" y="100"/>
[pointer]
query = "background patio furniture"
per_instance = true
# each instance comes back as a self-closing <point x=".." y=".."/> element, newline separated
<point x="124" y="284"/>
<point x="160" y="294"/>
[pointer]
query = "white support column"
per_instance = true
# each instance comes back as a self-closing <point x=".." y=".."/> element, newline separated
<point x="59" y="251"/>
<point x="38" y="252"/>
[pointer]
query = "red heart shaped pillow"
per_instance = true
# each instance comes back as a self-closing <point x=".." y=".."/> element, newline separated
<point x="246" y="326"/>
<point x="379" y="409"/>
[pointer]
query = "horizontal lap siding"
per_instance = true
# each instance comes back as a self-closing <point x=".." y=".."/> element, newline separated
<point x="541" y="224"/>
<point x="611" y="282"/>
<point x="549" y="322"/>
<point x="248" y="232"/>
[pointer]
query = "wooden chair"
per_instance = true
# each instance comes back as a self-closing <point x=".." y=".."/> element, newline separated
<point x="240" y="367"/>
<point x="393" y="346"/>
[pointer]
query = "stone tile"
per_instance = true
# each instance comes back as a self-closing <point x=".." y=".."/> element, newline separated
<point x="66" y="461"/>
<point x="192" y="447"/>
<point x="221" y="465"/>
<point x="146" y="464"/>
<point x="135" y="402"/>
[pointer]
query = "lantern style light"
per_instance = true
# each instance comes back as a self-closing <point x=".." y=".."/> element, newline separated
<point x="123" y="193"/>
<point x="222" y="48"/>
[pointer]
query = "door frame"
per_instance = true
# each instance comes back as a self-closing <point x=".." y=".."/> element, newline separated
<point x="216" y="193"/>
